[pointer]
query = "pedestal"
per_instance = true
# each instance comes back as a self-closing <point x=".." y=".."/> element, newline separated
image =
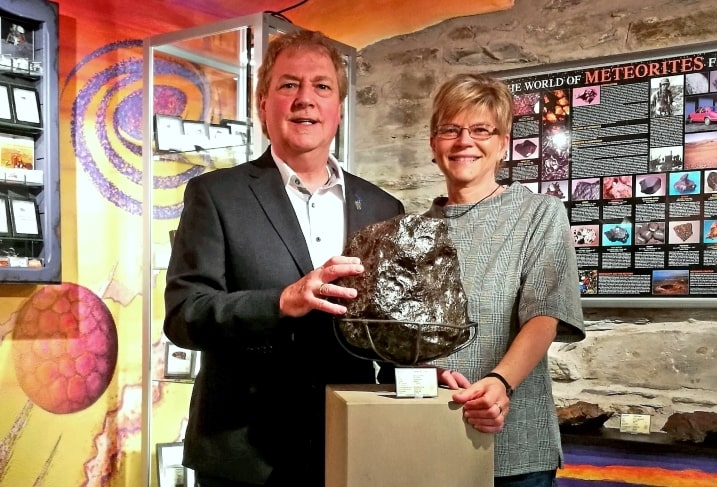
<point x="374" y="438"/>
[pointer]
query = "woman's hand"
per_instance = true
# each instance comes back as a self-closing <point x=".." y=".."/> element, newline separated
<point x="485" y="405"/>
<point x="452" y="379"/>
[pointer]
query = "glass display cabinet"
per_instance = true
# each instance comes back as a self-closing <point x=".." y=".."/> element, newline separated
<point x="29" y="148"/>
<point x="198" y="115"/>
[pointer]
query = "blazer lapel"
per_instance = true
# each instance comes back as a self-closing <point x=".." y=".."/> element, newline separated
<point x="269" y="191"/>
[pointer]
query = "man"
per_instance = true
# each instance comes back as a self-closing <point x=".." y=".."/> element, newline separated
<point x="249" y="281"/>
<point x="662" y="99"/>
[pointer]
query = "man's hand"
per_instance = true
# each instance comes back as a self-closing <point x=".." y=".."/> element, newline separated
<point x="313" y="290"/>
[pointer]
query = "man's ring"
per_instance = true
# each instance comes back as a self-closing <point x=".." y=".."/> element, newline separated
<point x="321" y="289"/>
<point x="500" y="409"/>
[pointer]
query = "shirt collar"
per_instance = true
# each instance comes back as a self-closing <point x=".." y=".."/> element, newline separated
<point x="333" y="171"/>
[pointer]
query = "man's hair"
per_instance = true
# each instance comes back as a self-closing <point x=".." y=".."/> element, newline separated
<point x="308" y="40"/>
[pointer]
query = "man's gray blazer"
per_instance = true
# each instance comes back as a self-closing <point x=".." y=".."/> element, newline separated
<point x="258" y="402"/>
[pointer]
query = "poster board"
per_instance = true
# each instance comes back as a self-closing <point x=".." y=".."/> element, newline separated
<point x="629" y="143"/>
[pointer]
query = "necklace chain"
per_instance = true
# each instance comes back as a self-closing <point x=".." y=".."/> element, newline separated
<point x="464" y="212"/>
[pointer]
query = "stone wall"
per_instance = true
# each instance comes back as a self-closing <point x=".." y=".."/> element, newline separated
<point x="653" y="360"/>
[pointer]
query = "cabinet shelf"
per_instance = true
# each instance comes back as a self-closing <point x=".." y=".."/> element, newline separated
<point x="14" y="180"/>
<point x="175" y="381"/>
<point x="19" y="129"/>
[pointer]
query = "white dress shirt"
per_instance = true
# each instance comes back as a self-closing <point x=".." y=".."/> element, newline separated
<point x="322" y="215"/>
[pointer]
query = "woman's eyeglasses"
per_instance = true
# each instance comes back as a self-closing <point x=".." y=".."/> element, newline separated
<point x="476" y="132"/>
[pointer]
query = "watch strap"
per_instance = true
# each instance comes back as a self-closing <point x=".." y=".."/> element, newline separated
<point x="508" y="387"/>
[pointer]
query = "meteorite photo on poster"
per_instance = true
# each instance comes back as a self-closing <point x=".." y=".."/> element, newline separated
<point x="630" y="147"/>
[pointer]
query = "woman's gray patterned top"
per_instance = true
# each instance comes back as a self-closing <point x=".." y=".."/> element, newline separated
<point x="517" y="262"/>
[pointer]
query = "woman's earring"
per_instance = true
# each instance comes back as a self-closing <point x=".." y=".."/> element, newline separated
<point x="433" y="160"/>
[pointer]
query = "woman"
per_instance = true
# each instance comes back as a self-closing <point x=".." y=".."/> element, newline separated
<point x="519" y="271"/>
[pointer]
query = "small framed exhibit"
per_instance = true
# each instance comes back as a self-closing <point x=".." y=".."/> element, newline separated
<point x="239" y="131"/>
<point x="17" y="38"/>
<point x="6" y="111"/>
<point x="25" y="217"/>
<point x="17" y="151"/>
<point x="178" y="362"/>
<point x="168" y="130"/>
<point x="170" y="471"/>
<point x="240" y="139"/>
<point x="26" y="103"/>
<point x="5" y="62"/>
<point x="4" y="217"/>
<point x="21" y="65"/>
<point x="36" y="68"/>
<point x="196" y="134"/>
<point x="219" y="136"/>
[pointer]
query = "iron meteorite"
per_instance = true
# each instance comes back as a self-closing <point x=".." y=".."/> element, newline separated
<point x="411" y="307"/>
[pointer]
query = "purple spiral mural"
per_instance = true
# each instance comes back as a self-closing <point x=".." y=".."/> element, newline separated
<point x="106" y="121"/>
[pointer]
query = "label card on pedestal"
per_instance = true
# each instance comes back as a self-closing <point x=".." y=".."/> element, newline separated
<point x="635" y="423"/>
<point x="416" y="382"/>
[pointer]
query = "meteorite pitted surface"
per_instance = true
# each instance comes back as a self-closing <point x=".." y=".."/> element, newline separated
<point x="410" y="294"/>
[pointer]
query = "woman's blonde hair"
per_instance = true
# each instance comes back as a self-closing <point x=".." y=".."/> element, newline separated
<point x="472" y="92"/>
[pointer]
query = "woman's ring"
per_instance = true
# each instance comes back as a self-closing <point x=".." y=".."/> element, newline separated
<point x="500" y="409"/>
<point x="321" y="289"/>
